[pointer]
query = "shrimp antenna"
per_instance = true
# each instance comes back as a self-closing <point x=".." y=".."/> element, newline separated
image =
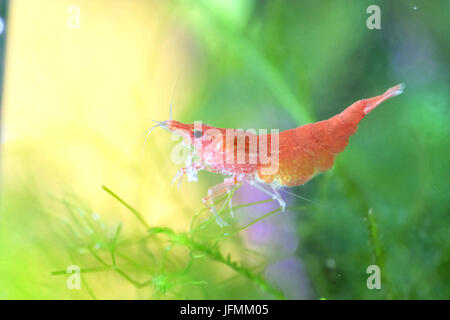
<point x="171" y="105"/>
<point x="173" y="96"/>
<point x="160" y="124"/>
<point x="302" y="198"/>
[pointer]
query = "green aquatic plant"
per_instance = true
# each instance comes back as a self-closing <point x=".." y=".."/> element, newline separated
<point x="96" y="243"/>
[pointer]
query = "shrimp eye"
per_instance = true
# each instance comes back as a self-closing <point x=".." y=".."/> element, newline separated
<point x="197" y="133"/>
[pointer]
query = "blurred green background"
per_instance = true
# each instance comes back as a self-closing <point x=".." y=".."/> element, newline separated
<point x="76" y="98"/>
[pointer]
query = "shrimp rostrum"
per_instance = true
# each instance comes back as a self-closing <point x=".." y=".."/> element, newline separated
<point x="268" y="161"/>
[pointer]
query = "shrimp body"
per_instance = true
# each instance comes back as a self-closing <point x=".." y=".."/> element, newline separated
<point x="301" y="152"/>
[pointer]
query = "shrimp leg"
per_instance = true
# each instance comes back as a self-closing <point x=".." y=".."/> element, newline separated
<point x="191" y="172"/>
<point x="228" y="186"/>
<point x="274" y="194"/>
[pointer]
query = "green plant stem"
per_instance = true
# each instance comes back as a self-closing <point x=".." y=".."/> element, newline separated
<point x="134" y="211"/>
<point x="187" y="241"/>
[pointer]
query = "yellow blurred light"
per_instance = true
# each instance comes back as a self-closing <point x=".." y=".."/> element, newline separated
<point x="75" y="99"/>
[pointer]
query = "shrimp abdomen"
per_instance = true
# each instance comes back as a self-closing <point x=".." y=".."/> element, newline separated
<point x="312" y="148"/>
